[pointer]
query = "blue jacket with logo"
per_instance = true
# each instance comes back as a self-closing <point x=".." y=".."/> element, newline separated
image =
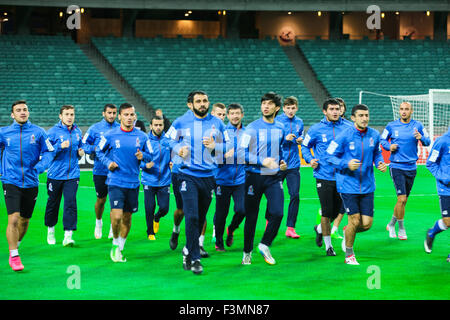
<point x="291" y="125"/>
<point x="120" y="146"/>
<point x="159" y="175"/>
<point x="23" y="145"/>
<point x="92" y="138"/>
<point x="438" y="163"/>
<point x="318" y="138"/>
<point x="232" y="171"/>
<point x="402" y="134"/>
<point x="64" y="164"/>
<point x="350" y="144"/>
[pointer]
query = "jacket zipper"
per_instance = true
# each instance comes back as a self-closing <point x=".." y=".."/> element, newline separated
<point x="21" y="160"/>
<point x="360" y="168"/>
<point x="159" y="167"/>
<point x="70" y="152"/>
<point x="236" y="165"/>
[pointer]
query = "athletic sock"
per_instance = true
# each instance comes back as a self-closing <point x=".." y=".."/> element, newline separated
<point x="51" y="229"/>
<point x="99" y="223"/>
<point x="401" y="224"/>
<point x="115" y="241"/>
<point x="327" y="240"/>
<point x="176" y="229"/>
<point x="438" y="227"/>
<point x="393" y="221"/>
<point x="201" y="239"/>
<point x="14" y="253"/>
<point x="334" y="229"/>
<point x="122" y="242"/>
<point x="67" y="233"/>
<point x="319" y="228"/>
<point x="348" y="252"/>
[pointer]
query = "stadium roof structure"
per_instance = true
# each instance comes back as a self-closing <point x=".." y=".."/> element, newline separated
<point x="246" y="5"/>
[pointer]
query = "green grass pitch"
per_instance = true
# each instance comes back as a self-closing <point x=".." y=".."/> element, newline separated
<point x="389" y="268"/>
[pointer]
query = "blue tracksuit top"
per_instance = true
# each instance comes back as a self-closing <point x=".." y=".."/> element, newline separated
<point x="354" y="144"/>
<point x="91" y="140"/>
<point x="232" y="171"/>
<point x="397" y="132"/>
<point x="120" y="146"/>
<point x="318" y="138"/>
<point x="291" y="125"/>
<point x="23" y="145"/>
<point x="188" y="130"/>
<point x="262" y="140"/>
<point x="438" y="163"/>
<point x="64" y="164"/>
<point x="159" y="175"/>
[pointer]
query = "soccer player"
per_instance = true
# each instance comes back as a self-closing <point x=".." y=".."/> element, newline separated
<point x="401" y="138"/>
<point x="23" y="143"/>
<point x="63" y="175"/>
<point x="353" y="154"/>
<point x="230" y="180"/>
<point x="262" y="143"/>
<point x="121" y="150"/>
<point x="159" y="113"/>
<point x="438" y="163"/>
<point x="90" y="141"/>
<point x="198" y="138"/>
<point x="318" y="138"/>
<point x="293" y="130"/>
<point x="219" y="110"/>
<point x="156" y="177"/>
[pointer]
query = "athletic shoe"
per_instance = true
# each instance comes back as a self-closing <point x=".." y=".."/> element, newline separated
<point x="197" y="267"/>
<point x="343" y="240"/>
<point x="116" y="254"/>
<point x="391" y="230"/>
<point x="213" y="239"/>
<point x="402" y="234"/>
<point x="331" y="252"/>
<point x="290" y="233"/>
<point x="336" y="235"/>
<point x="98" y="232"/>
<point x="319" y="237"/>
<point x="51" y="237"/>
<point x="229" y="239"/>
<point x="351" y="260"/>
<point x="155" y="227"/>
<point x="186" y="261"/>
<point x="247" y="258"/>
<point x="15" y="263"/>
<point x="68" y="241"/>
<point x="151" y="237"/>
<point x="265" y="251"/>
<point x="428" y="244"/>
<point x="220" y="248"/>
<point x="448" y="258"/>
<point x="110" y="235"/>
<point x="203" y="253"/>
<point x="173" y="243"/>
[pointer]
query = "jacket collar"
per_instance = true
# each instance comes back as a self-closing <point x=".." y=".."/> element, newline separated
<point x="25" y="125"/>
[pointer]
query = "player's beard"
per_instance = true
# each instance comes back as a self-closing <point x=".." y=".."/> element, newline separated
<point x="200" y="113"/>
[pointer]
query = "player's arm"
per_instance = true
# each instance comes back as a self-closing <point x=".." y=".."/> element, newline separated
<point x="433" y="162"/>
<point x="424" y="136"/>
<point x="385" y="139"/>
<point x="147" y="151"/>
<point x="103" y="153"/>
<point x="174" y="134"/>
<point x="88" y="142"/>
<point x="335" y="150"/>
<point x="47" y="152"/>
<point x="378" y="159"/>
<point x="248" y="147"/>
<point x="307" y="144"/>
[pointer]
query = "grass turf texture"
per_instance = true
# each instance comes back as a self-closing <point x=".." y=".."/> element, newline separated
<point x="303" y="271"/>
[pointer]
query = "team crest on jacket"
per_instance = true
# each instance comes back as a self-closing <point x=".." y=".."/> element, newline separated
<point x="137" y="142"/>
<point x="183" y="186"/>
<point x="250" y="191"/>
<point x="32" y="139"/>
<point x="8" y="141"/>
<point x="352" y="145"/>
<point x="371" y="142"/>
<point x="219" y="191"/>
<point x="117" y="144"/>
<point x="324" y="137"/>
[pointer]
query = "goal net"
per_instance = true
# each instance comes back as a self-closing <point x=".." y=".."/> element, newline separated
<point x="431" y="109"/>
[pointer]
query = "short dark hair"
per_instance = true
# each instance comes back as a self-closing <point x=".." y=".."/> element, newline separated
<point x="66" y="107"/>
<point x="341" y="101"/>
<point x="190" y="98"/>
<point x="219" y="105"/>
<point x="15" y="103"/>
<point x="155" y="117"/>
<point x="140" y="125"/>
<point x="235" y="106"/>
<point x="109" y="106"/>
<point x="359" y="107"/>
<point x="124" y="106"/>
<point x="290" y="101"/>
<point x="333" y="102"/>
<point x="272" y="96"/>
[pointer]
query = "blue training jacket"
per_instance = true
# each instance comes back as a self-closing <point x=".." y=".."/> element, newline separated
<point x="91" y="140"/>
<point x="351" y="143"/>
<point x="291" y="125"/>
<point x="438" y="163"/>
<point x="232" y="171"/>
<point x="64" y="164"/>
<point x="23" y="145"/>
<point x="120" y="146"/>
<point x="318" y="138"/>
<point x="188" y="130"/>
<point x="397" y="132"/>
<point x="159" y="175"/>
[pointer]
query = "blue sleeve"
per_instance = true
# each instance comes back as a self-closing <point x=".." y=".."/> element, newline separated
<point x="174" y="136"/>
<point x="426" y="140"/>
<point x="385" y="136"/>
<point x="307" y="144"/>
<point x="335" y="151"/>
<point x="433" y="162"/>
<point x="48" y="153"/>
<point x="248" y="146"/>
<point x="377" y="155"/>
<point x="88" y="141"/>
<point x="102" y="151"/>
<point x="146" y="151"/>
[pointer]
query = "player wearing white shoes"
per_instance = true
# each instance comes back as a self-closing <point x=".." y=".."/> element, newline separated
<point x="401" y="138"/>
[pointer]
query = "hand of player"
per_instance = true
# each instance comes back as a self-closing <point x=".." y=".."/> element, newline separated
<point x="314" y="163"/>
<point x="354" y="164"/>
<point x="183" y="152"/>
<point x="283" y="165"/>
<point x="65" y="144"/>
<point x="299" y="140"/>
<point x="230" y="153"/>
<point x="417" y="134"/>
<point x="139" y="155"/>
<point x="209" y="142"/>
<point x="149" y="165"/>
<point x="393" y="147"/>
<point x="80" y="152"/>
<point x="270" y="163"/>
<point x="113" y="166"/>
<point x="382" y="166"/>
<point x="290" y="137"/>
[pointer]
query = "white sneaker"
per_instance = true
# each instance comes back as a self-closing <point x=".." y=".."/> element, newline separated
<point x="98" y="232"/>
<point x="391" y="230"/>
<point x="51" y="237"/>
<point x="247" y="258"/>
<point x="402" y="234"/>
<point x="110" y="235"/>
<point x="343" y="241"/>
<point x="351" y="260"/>
<point x="264" y="250"/>
<point x="68" y="241"/>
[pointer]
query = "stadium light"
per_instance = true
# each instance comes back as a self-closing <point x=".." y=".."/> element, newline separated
<point x="289" y="12"/>
<point x="224" y="12"/>
<point x="186" y="14"/>
<point x="383" y="15"/>
<point x="397" y="13"/>
<point x="428" y="13"/>
<point x="60" y="14"/>
<point x="219" y="12"/>
<point x="82" y="10"/>
<point x="319" y="13"/>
